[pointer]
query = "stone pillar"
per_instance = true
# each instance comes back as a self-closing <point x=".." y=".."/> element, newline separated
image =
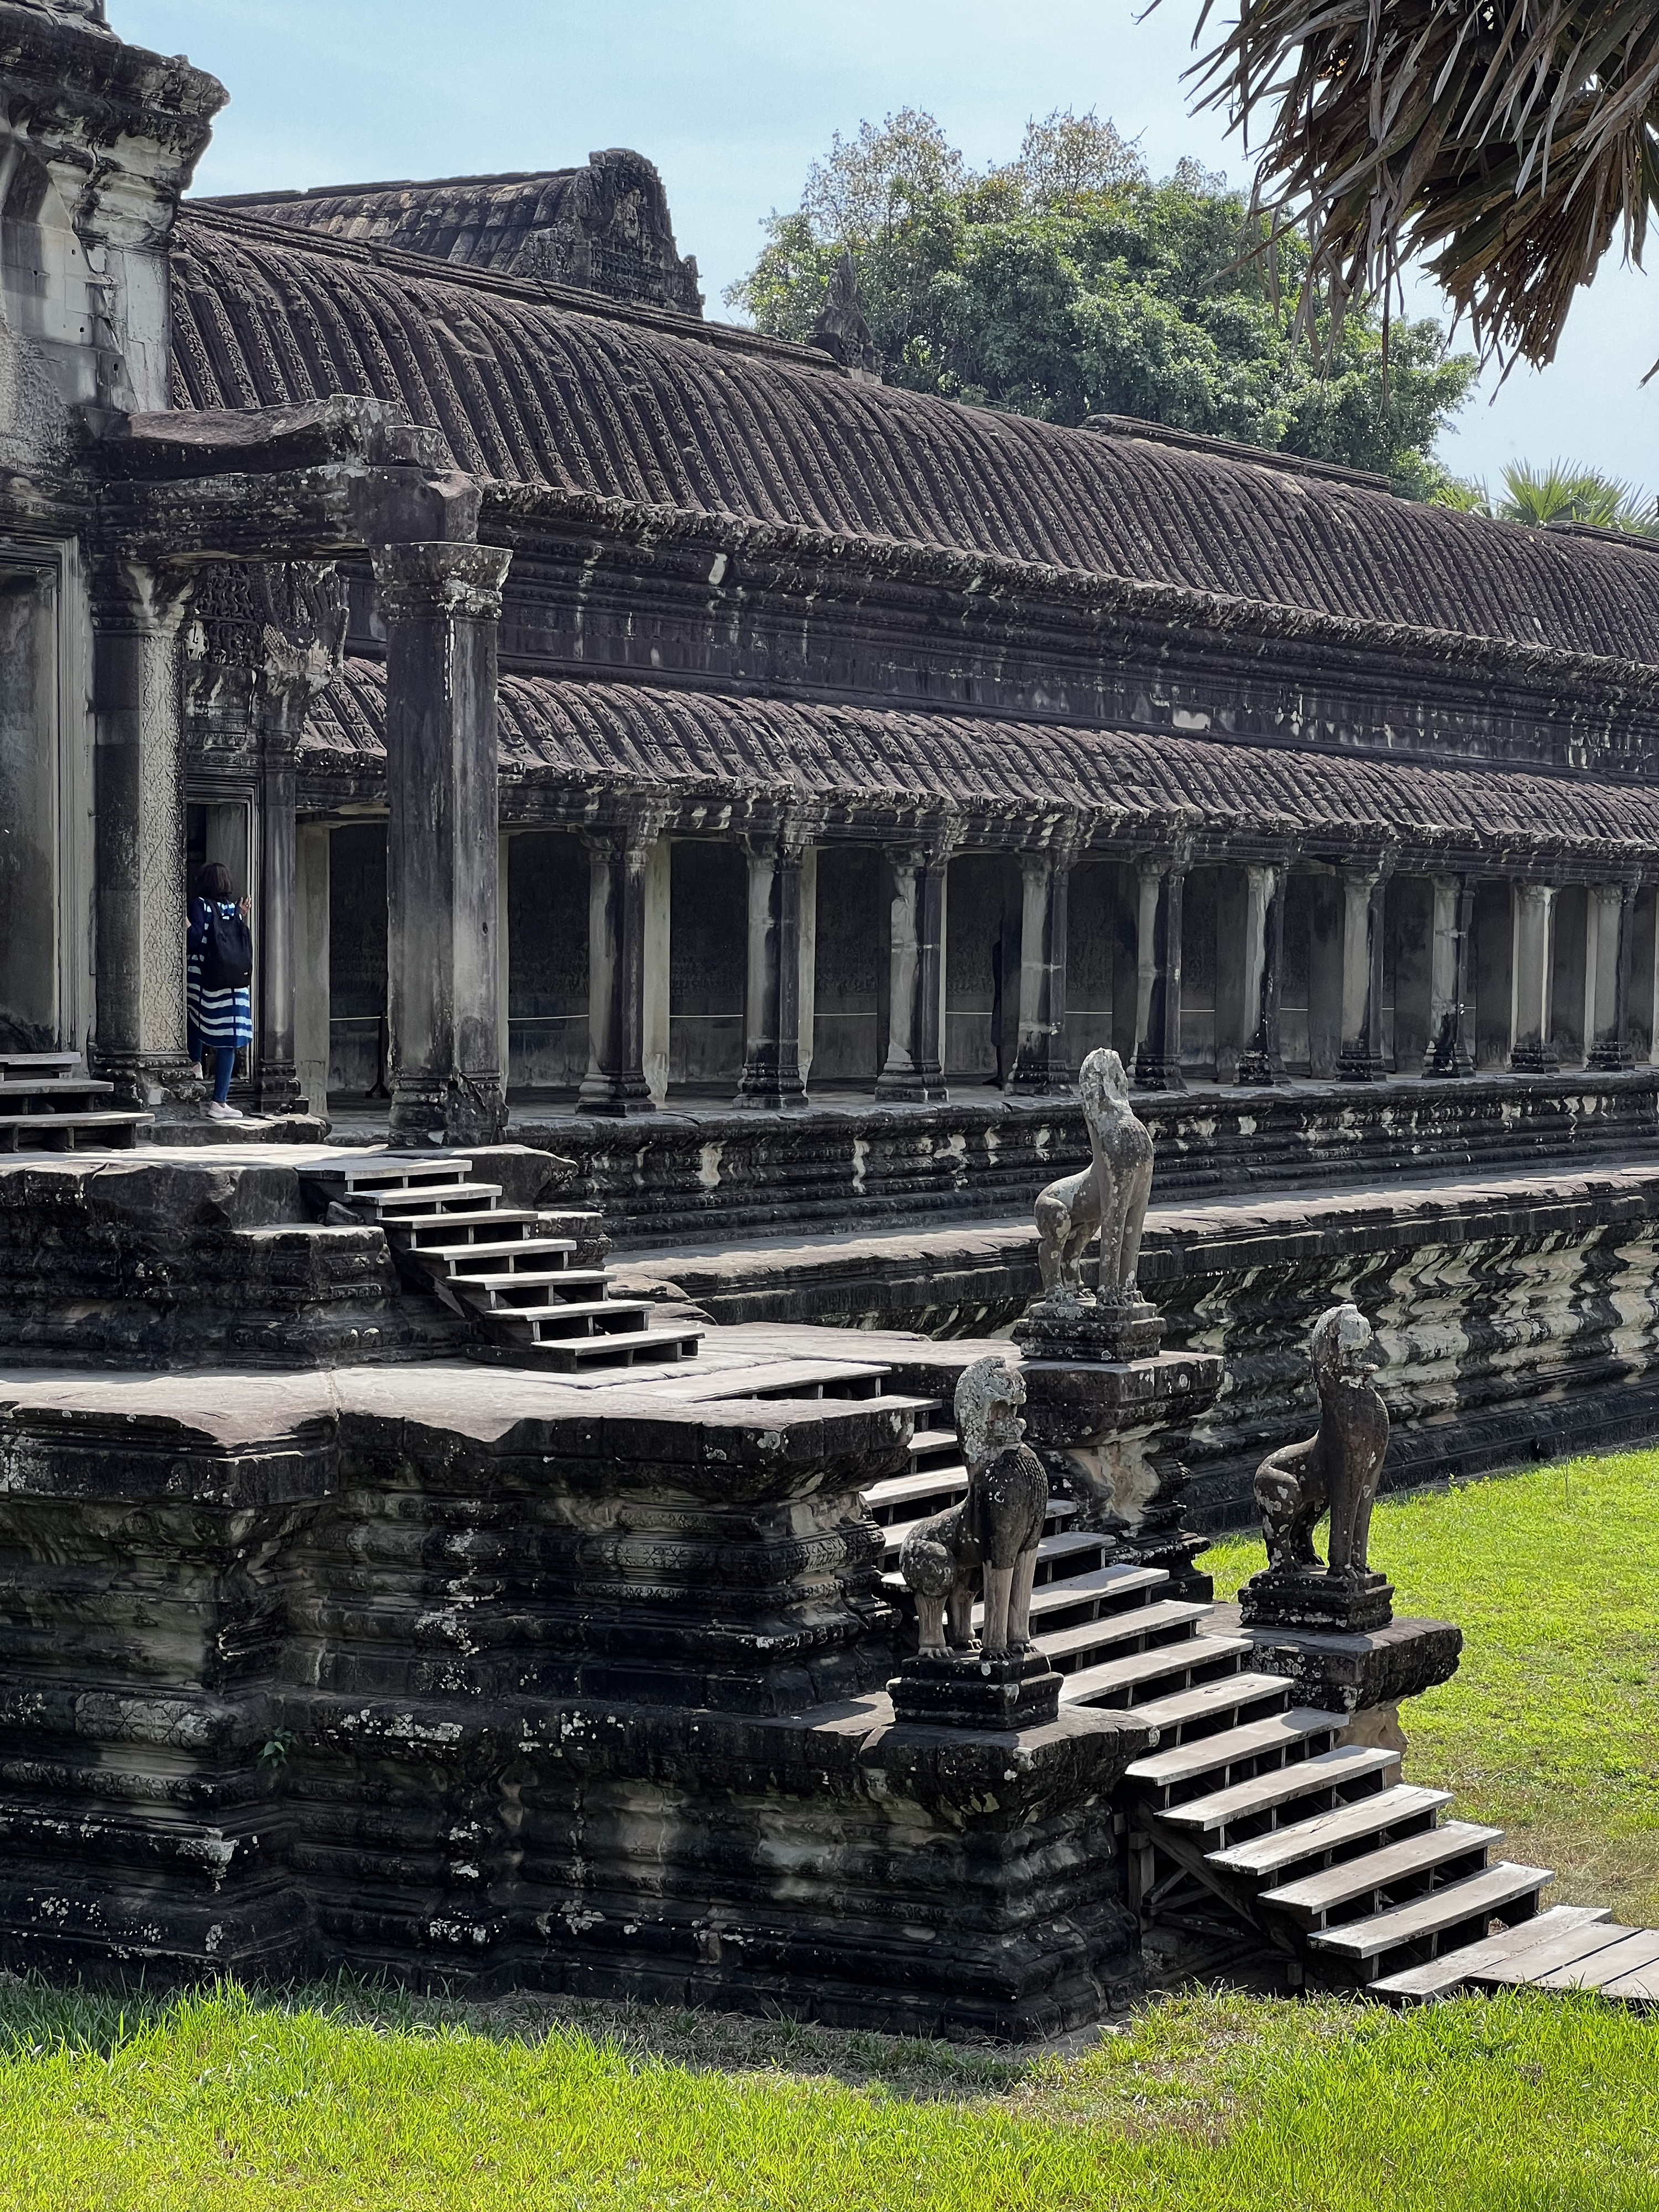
<point x="914" y="1073"/>
<point x="1262" y="1059"/>
<point x="1607" y="1008"/>
<point x="138" y="786"/>
<point x="277" y="1083"/>
<point x="442" y="604"/>
<point x="1040" y="1063"/>
<point x="310" y="934"/>
<point x="771" y="1074"/>
<point x="1364" y="885"/>
<point x="1450" y="1046"/>
<point x="1531" y="1051"/>
<point x="619" y="864"/>
<point x="1158" y="996"/>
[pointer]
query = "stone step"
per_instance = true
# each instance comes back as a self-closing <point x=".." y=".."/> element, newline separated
<point x="1115" y="1682"/>
<point x="1172" y="1618"/>
<point x="1413" y="1862"/>
<point x="1459" y="1910"/>
<point x="1213" y="1705"/>
<point x="1283" y="1739"/>
<point x="1452" y="1970"/>
<point x="1382" y="1812"/>
<point x="1258" y="1797"/>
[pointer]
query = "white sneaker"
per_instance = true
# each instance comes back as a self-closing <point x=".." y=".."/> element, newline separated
<point x="218" y="1113"/>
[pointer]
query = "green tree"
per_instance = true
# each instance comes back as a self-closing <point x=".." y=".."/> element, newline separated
<point x="1067" y="282"/>
<point x="1558" y="493"/>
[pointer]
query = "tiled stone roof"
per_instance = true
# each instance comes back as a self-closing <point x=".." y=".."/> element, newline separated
<point x="597" y="734"/>
<point x="532" y="389"/>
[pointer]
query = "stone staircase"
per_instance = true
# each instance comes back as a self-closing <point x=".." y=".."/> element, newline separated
<point x="1249" y="1819"/>
<point x="48" y="1102"/>
<point x="528" y="1279"/>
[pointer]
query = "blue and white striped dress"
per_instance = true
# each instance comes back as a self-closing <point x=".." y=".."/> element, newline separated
<point x="222" y="1019"/>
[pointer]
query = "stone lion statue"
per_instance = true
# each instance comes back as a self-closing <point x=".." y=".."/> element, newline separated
<point x="1338" y="1467"/>
<point x="1108" y="1196"/>
<point x="992" y="1534"/>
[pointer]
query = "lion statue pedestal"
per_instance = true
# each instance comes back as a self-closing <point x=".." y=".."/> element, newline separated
<point x="1106" y="1408"/>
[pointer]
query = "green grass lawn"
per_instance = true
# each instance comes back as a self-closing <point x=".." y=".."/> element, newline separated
<point x="1215" y="2102"/>
<point x="1549" y="1728"/>
<point x="1223" y="2103"/>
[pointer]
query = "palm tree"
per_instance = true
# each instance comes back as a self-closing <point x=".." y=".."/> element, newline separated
<point x="1561" y="494"/>
<point x="1504" y="141"/>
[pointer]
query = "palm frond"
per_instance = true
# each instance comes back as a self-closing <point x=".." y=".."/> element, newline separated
<point x="1505" y="143"/>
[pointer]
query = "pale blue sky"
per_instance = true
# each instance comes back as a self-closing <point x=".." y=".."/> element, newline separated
<point x="732" y="99"/>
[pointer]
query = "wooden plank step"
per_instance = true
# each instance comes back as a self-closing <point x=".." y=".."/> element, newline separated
<point x="477" y="1217"/>
<point x="1266" y="1856"/>
<point x="649" y="1348"/>
<point x="1212" y="1700"/>
<point x="1426" y="1919"/>
<point x="1162" y="1616"/>
<point x="423" y="1204"/>
<point x="1634" y="1958"/>
<point x="897" y="1490"/>
<point x="446" y="1253"/>
<point x="1106" y="1585"/>
<point x="1567" y="1948"/>
<point x="1189" y="1762"/>
<point x="897" y="1531"/>
<point x="55" y="1087"/>
<point x="1115" y="1682"/>
<point x="1343" y="1768"/>
<point x="488" y="1290"/>
<point x="1440" y="1977"/>
<point x="409" y="1171"/>
<point x="112" y="1117"/>
<point x="1639" y="1987"/>
<point x="1310" y="1897"/>
<point x="513" y="1275"/>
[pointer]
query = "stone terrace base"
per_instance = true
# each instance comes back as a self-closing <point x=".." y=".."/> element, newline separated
<point x="678" y="1175"/>
<point x="498" y="1679"/>
<point x="1520" y="1312"/>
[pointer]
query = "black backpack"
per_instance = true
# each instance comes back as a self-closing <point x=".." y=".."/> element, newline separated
<point x="227" y="956"/>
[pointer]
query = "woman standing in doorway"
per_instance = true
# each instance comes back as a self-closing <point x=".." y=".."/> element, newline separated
<point x="221" y="977"/>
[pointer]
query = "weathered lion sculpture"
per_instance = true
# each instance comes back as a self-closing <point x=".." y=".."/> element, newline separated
<point x="1339" y="1466"/>
<point x="994" y="1534"/>
<point x="1108" y="1196"/>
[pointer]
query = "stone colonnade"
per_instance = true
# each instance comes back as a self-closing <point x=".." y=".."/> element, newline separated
<point x="1384" y="975"/>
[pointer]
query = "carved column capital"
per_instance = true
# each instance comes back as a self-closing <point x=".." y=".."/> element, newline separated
<point x="458" y="583"/>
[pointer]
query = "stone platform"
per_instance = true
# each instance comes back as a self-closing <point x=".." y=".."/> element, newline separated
<point x="1520" y="1312"/>
<point x="669" y="1177"/>
<point x="503" y="1679"/>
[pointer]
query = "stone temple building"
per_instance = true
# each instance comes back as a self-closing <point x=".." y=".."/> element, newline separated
<point x="749" y="790"/>
<point x="848" y="743"/>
